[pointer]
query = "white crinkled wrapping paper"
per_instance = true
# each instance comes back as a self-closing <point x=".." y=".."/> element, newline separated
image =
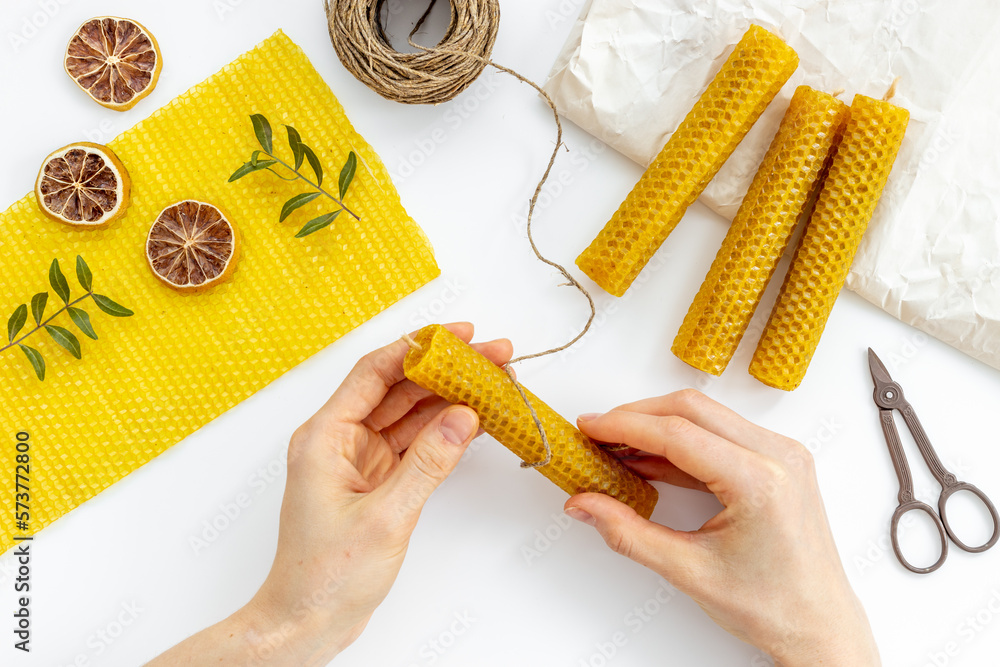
<point x="632" y="69"/>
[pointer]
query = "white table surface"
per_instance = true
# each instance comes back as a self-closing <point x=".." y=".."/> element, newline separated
<point x="495" y="574"/>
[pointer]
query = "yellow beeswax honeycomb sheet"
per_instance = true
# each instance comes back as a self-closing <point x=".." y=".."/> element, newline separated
<point x="181" y="360"/>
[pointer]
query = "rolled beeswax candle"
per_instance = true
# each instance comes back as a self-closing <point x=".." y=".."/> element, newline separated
<point x="449" y="367"/>
<point x="739" y="93"/>
<point x="857" y="176"/>
<point x="760" y="232"/>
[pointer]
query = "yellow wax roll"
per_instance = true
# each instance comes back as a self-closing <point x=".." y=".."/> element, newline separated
<point x="449" y="367"/>
<point x="788" y="175"/>
<point x="739" y="93"/>
<point x="857" y="176"/>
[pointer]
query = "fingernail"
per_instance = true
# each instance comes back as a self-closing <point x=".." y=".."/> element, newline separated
<point x="458" y="426"/>
<point x="581" y="516"/>
<point x="588" y="416"/>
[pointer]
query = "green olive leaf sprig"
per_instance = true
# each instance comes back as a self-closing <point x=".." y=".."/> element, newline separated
<point x="64" y="337"/>
<point x="266" y="159"/>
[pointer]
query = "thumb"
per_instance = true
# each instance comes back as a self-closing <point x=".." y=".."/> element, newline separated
<point x="431" y="457"/>
<point x="663" y="550"/>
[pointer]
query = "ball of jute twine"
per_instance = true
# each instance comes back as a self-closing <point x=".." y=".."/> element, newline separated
<point x="434" y="75"/>
<point x="430" y="76"/>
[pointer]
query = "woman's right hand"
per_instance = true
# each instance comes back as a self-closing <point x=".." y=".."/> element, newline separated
<point x="765" y="568"/>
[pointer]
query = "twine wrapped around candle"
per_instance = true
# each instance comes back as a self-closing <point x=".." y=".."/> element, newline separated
<point x="441" y="362"/>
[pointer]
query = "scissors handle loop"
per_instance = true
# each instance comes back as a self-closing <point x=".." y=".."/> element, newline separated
<point x="950" y="490"/>
<point x="910" y="506"/>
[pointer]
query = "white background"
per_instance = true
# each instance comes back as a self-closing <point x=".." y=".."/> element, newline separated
<point x="465" y="171"/>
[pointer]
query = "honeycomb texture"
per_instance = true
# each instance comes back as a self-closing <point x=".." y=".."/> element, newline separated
<point x="739" y="93"/>
<point x="787" y="177"/>
<point x="453" y="370"/>
<point x="181" y="360"/>
<point x="847" y="200"/>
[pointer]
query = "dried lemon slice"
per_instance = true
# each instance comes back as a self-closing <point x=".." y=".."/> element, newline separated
<point x="83" y="184"/>
<point x="192" y="246"/>
<point x="116" y="61"/>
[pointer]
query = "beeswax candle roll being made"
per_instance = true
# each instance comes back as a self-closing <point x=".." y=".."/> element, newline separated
<point x="447" y="366"/>
<point x="776" y="199"/>
<point x="748" y="81"/>
<point x="858" y="173"/>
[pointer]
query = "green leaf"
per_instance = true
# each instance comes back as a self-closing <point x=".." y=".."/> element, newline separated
<point x="16" y="321"/>
<point x="37" y="362"/>
<point x="82" y="320"/>
<point x="295" y="143"/>
<point x="84" y="275"/>
<point x="296" y="202"/>
<point x="317" y="224"/>
<point x="262" y="129"/>
<point x="250" y="167"/>
<point x="247" y="168"/>
<point x="110" y="307"/>
<point x="58" y="281"/>
<point x="65" y="338"/>
<point x="314" y="163"/>
<point x="38" y="306"/>
<point x="347" y="173"/>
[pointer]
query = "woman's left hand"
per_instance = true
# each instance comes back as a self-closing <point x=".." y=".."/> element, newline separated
<point x="359" y="472"/>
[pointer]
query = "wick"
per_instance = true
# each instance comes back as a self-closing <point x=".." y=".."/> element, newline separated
<point x="838" y="92"/>
<point x="889" y="94"/>
<point x="412" y="343"/>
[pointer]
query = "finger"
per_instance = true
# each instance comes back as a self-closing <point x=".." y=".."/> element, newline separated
<point x="400" y="434"/>
<point x="659" y="469"/>
<point x="373" y="376"/>
<point x="720" y="464"/>
<point x="655" y="468"/>
<point x="432" y="455"/>
<point x="709" y="415"/>
<point x="673" y="554"/>
<point x="406" y="394"/>
<point x="399" y="401"/>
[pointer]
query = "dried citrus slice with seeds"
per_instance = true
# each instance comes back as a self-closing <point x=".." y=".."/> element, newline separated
<point x="83" y="184"/>
<point x="116" y="61"/>
<point x="192" y="246"/>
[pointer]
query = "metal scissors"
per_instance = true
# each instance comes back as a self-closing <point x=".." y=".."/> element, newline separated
<point x="889" y="397"/>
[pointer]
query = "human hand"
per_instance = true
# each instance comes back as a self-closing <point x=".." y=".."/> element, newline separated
<point x="765" y="568"/>
<point x="359" y="472"/>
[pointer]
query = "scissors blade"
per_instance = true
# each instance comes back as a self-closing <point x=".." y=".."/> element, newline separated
<point x="879" y="374"/>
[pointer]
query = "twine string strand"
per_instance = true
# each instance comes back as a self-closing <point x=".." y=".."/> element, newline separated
<point x="437" y="74"/>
